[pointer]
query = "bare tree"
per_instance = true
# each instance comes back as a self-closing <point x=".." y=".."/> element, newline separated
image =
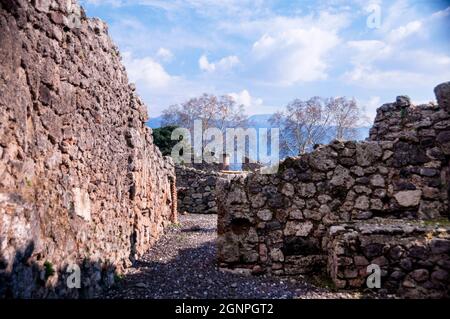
<point x="213" y="111"/>
<point x="346" y="117"/>
<point x="302" y="124"/>
<point x="306" y="123"/>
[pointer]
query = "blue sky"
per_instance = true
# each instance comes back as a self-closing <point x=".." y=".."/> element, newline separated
<point x="266" y="53"/>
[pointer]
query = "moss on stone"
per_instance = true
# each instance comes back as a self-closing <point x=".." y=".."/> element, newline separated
<point x="445" y="222"/>
<point x="49" y="270"/>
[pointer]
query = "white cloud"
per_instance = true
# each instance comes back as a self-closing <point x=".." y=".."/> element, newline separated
<point x="249" y="102"/>
<point x="381" y="65"/>
<point x="371" y="77"/>
<point x="441" y="14"/>
<point x="146" y="71"/>
<point x="426" y="61"/>
<point x="394" y="59"/>
<point x="259" y="25"/>
<point x="282" y="50"/>
<point x="376" y="78"/>
<point x="204" y="64"/>
<point x="224" y="64"/>
<point x="164" y="54"/>
<point x="365" y="51"/>
<point x="404" y="31"/>
<point x="207" y="8"/>
<point x="371" y="107"/>
<point x="395" y="13"/>
<point x="228" y="62"/>
<point x="295" y="55"/>
<point x="157" y="87"/>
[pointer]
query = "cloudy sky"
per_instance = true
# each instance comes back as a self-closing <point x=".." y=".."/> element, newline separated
<point x="266" y="53"/>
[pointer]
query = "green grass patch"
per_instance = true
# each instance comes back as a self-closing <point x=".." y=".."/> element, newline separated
<point x="445" y="222"/>
<point x="28" y="182"/>
<point x="322" y="281"/>
<point x="175" y="226"/>
<point x="118" y="277"/>
<point x="49" y="270"/>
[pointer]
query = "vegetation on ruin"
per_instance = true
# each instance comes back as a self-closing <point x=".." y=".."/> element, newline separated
<point x="162" y="139"/>
<point x="49" y="270"/>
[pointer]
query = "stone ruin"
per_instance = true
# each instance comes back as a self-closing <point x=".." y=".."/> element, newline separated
<point x="347" y="205"/>
<point x="196" y="189"/>
<point x="196" y="183"/>
<point x="196" y="186"/>
<point x="81" y="182"/>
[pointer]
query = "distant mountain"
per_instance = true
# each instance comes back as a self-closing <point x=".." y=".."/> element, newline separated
<point x="363" y="132"/>
<point x="256" y="121"/>
<point x="262" y="121"/>
<point x="154" y="122"/>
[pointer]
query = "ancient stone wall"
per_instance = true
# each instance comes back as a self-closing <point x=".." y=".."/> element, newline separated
<point x="197" y="189"/>
<point x="422" y="123"/>
<point x="80" y="179"/>
<point x="414" y="258"/>
<point x="279" y="223"/>
<point x="427" y="125"/>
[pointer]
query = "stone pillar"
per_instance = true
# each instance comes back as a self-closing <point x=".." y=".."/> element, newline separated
<point x="225" y="162"/>
<point x="246" y="165"/>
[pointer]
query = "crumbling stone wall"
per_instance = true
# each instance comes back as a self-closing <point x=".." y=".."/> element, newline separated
<point x="80" y="179"/>
<point x="427" y="125"/>
<point x="197" y="189"/>
<point x="249" y="166"/>
<point x="279" y="223"/>
<point x="424" y="123"/>
<point x="414" y="258"/>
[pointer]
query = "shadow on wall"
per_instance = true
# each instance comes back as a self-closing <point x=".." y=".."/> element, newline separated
<point x="26" y="279"/>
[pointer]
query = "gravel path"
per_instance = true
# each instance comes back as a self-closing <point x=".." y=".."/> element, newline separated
<point x="182" y="265"/>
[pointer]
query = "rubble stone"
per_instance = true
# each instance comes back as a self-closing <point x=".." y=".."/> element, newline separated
<point x="81" y="182"/>
<point x="399" y="174"/>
